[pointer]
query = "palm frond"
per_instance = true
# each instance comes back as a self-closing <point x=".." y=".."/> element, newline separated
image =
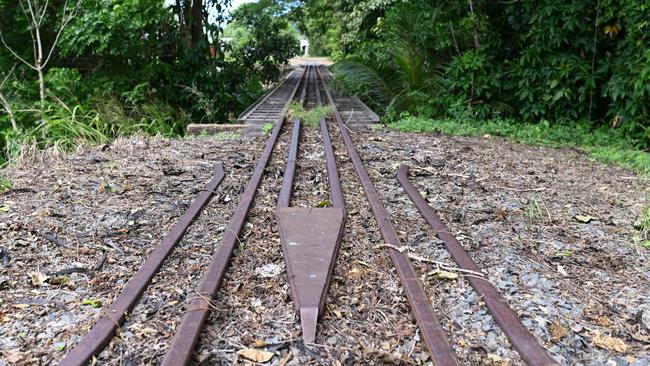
<point x="410" y="62"/>
<point x="356" y="73"/>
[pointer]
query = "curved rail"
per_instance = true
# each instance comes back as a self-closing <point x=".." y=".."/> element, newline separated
<point x="102" y="332"/>
<point x="188" y="331"/>
<point x="434" y="337"/>
<point x="522" y="340"/>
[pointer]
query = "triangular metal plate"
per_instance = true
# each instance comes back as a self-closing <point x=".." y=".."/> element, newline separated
<point x="310" y="241"/>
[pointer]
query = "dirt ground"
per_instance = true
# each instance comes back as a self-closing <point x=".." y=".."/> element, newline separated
<point x="552" y="230"/>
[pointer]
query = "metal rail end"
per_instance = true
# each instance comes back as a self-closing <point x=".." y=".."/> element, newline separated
<point x="403" y="171"/>
<point x="218" y="169"/>
<point x="308" y="320"/>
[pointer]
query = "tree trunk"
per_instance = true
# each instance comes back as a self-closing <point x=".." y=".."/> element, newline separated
<point x="179" y="12"/>
<point x="39" y="68"/>
<point x="196" y="29"/>
<point x="10" y="112"/>
<point x="41" y="85"/>
<point x="477" y="44"/>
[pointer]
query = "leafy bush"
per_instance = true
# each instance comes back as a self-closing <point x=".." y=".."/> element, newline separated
<point x="127" y="66"/>
<point x="628" y="88"/>
<point x="532" y="60"/>
<point x="267" y="41"/>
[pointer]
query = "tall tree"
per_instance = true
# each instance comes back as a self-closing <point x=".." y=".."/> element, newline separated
<point x="35" y="11"/>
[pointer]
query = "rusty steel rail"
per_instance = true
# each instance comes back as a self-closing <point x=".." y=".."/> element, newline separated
<point x="432" y="333"/>
<point x="102" y="332"/>
<point x="336" y="192"/>
<point x="189" y="329"/>
<point x="522" y="340"/>
<point x="310" y="237"/>
<point x="290" y="170"/>
<point x="243" y="115"/>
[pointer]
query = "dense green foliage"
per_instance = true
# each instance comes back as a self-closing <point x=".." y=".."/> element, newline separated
<point x="264" y="39"/>
<point x="125" y="66"/>
<point x="585" y="60"/>
<point x="111" y="67"/>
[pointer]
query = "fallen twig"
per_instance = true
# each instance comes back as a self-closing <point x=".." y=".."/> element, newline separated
<point x="540" y="189"/>
<point x="441" y="265"/>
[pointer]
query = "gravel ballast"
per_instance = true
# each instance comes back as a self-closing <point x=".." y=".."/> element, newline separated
<point x="552" y="230"/>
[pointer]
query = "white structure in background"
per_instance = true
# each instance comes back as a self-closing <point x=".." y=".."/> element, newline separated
<point x="304" y="47"/>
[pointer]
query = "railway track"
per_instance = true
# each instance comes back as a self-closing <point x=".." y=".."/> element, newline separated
<point x="310" y="237"/>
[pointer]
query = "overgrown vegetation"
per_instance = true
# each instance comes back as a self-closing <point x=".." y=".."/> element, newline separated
<point x="267" y="128"/>
<point x="572" y="68"/>
<point x="86" y="71"/>
<point x="309" y="117"/>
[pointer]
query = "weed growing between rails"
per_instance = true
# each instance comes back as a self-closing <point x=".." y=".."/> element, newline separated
<point x="312" y="116"/>
<point x="267" y="128"/>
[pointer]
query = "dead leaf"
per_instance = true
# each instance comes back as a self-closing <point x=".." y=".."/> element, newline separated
<point x="610" y="343"/>
<point x="584" y="218"/>
<point x="13" y="356"/>
<point x="258" y="343"/>
<point x="146" y="332"/>
<point x="365" y="264"/>
<point x="561" y="269"/>
<point x="446" y="275"/>
<point x="558" y="331"/>
<point x="355" y="273"/>
<point x="62" y="280"/>
<point x="255" y="355"/>
<point x="500" y="213"/>
<point x="38" y="278"/>
<point x="494" y="359"/>
<point x="603" y="322"/>
<point x="406" y="332"/>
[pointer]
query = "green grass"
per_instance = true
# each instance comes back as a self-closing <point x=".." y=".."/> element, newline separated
<point x="537" y="211"/>
<point x="267" y="128"/>
<point x="227" y="136"/>
<point x="310" y="117"/>
<point x="62" y="128"/>
<point x="5" y="185"/>
<point x="613" y="146"/>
